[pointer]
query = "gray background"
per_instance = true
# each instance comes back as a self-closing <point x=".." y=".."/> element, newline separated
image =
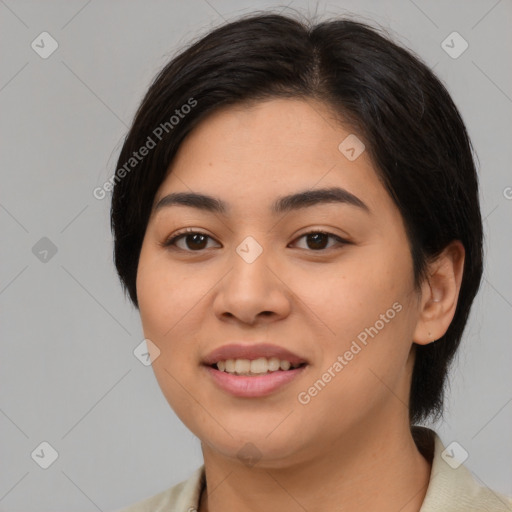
<point x="68" y="373"/>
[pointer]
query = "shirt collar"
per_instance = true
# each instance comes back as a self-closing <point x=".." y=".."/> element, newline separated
<point x="452" y="487"/>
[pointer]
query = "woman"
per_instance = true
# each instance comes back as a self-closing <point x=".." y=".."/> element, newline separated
<point x="296" y="216"/>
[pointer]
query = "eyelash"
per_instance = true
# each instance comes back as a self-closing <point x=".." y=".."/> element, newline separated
<point x="170" y="243"/>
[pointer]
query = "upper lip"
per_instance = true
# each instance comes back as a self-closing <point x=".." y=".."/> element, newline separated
<point x="241" y="351"/>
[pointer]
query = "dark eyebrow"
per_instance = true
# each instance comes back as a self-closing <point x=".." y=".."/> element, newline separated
<point x="193" y="200"/>
<point x="288" y="203"/>
<point x="309" y="198"/>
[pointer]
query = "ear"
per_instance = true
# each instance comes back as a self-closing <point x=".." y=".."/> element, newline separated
<point x="439" y="294"/>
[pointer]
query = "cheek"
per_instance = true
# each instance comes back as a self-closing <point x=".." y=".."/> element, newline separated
<point x="165" y="295"/>
<point x="365" y="311"/>
<point x="350" y="296"/>
<point x="172" y="305"/>
<point x="369" y="311"/>
<point x="166" y="299"/>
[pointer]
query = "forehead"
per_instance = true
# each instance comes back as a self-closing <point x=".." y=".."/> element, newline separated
<point x="251" y="153"/>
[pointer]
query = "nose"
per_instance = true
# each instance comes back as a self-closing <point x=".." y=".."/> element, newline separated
<point x="252" y="292"/>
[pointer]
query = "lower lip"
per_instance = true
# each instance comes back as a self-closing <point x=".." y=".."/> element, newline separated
<point x="253" y="387"/>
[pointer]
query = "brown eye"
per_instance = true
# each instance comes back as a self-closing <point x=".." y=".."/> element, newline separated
<point x="319" y="240"/>
<point x="195" y="241"/>
<point x="191" y="241"/>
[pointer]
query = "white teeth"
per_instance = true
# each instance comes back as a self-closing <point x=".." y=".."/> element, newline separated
<point x="285" y="365"/>
<point x="258" y="366"/>
<point x="242" y="366"/>
<point x="273" y="364"/>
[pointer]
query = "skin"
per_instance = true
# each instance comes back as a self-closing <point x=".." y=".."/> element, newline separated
<point x="350" y="447"/>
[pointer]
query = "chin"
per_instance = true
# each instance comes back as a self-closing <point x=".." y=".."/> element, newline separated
<point x="253" y="448"/>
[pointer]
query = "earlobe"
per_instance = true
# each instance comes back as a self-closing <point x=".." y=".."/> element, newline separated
<point x="439" y="294"/>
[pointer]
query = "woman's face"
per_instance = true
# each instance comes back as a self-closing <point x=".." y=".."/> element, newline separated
<point x="342" y="302"/>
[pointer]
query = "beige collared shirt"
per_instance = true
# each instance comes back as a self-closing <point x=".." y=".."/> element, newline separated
<point x="452" y="487"/>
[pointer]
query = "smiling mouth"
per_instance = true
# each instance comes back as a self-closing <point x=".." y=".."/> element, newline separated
<point x="255" y="367"/>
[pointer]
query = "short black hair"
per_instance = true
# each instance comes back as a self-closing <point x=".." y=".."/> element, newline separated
<point x="410" y="126"/>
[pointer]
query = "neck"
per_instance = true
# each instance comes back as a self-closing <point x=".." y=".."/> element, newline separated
<point x="373" y="468"/>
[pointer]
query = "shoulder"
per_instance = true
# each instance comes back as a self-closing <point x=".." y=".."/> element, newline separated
<point x="183" y="497"/>
<point x="452" y="486"/>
